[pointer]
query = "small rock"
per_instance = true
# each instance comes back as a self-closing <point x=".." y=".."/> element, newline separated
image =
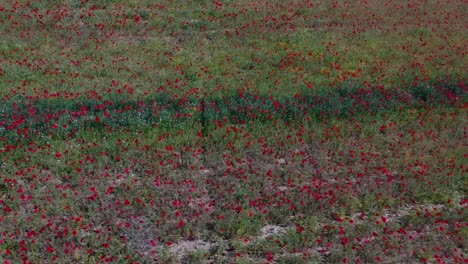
<point x="281" y="161"/>
<point x="271" y="230"/>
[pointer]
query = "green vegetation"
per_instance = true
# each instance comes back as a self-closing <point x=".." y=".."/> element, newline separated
<point x="233" y="132"/>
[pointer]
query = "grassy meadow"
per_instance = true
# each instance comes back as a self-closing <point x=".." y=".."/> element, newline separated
<point x="227" y="131"/>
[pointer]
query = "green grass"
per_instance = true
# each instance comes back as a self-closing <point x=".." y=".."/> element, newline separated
<point x="132" y="130"/>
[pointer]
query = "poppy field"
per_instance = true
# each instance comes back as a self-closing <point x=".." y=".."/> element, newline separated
<point x="208" y="131"/>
